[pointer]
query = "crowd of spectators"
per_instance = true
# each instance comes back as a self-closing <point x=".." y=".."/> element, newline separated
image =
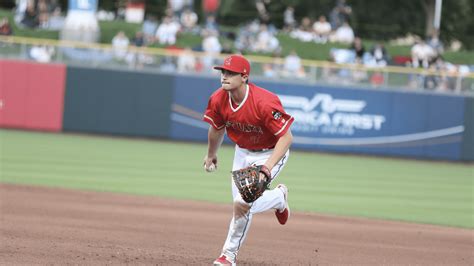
<point x="257" y="36"/>
<point x="428" y="55"/>
<point x="43" y="14"/>
<point x="337" y="29"/>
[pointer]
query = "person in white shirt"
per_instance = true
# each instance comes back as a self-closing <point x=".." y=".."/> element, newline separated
<point x="422" y="54"/>
<point x="167" y="31"/>
<point x="210" y="42"/>
<point x="344" y="34"/>
<point x="322" y="29"/>
<point x="186" y="61"/>
<point x="292" y="66"/>
<point x="120" y="44"/>
<point x="266" y="42"/>
<point x="211" y="47"/>
<point x="189" y="20"/>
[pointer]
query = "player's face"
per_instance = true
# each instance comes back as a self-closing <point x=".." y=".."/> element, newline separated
<point x="232" y="80"/>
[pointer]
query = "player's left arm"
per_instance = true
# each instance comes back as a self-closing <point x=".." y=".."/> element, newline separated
<point x="277" y="122"/>
<point x="281" y="147"/>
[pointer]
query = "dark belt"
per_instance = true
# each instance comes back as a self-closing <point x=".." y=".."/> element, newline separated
<point x="261" y="150"/>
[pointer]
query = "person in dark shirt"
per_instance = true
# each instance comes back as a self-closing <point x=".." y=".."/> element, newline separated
<point x="359" y="49"/>
<point x="5" y="27"/>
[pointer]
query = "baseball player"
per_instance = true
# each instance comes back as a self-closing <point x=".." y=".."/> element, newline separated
<point x="256" y="122"/>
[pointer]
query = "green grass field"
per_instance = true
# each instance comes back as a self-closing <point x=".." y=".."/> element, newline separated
<point x="417" y="191"/>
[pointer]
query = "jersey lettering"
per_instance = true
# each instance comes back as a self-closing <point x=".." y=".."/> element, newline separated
<point x="244" y="127"/>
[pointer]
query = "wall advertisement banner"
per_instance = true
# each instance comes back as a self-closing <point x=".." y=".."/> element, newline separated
<point x="335" y="119"/>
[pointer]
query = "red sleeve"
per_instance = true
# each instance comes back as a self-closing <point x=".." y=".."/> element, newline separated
<point x="277" y="121"/>
<point x="212" y="114"/>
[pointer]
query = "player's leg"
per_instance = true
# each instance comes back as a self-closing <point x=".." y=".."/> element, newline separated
<point x="241" y="218"/>
<point x="272" y="198"/>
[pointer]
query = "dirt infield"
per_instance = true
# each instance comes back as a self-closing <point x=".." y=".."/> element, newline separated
<point x="59" y="226"/>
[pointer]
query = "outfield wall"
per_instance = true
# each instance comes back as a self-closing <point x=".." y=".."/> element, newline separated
<point x="338" y="119"/>
<point x="118" y="102"/>
<point x="332" y="119"/>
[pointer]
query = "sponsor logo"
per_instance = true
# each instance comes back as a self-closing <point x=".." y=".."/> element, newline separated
<point x="276" y="115"/>
<point x="327" y="115"/>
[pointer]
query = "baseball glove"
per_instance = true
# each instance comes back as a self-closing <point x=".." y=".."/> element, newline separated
<point x="248" y="182"/>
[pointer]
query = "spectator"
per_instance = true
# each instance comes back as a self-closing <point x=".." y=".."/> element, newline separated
<point x="245" y="39"/>
<point x="305" y="31"/>
<point x="358" y="49"/>
<point x="343" y="34"/>
<point x="177" y="7"/>
<point x="167" y="31"/>
<point x="43" y="13"/>
<point x="135" y="57"/>
<point x="189" y="21"/>
<point x="149" y="27"/>
<point x="211" y="24"/>
<point x="379" y="54"/>
<point x="20" y="11"/>
<point x="342" y="56"/>
<point x="293" y="67"/>
<point x="263" y="14"/>
<point x="30" y="18"/>
<point x="269" y="71"/>
<point x="56" y="20"/>
<point x="5" y="27"/>
<point x="210" y="43"/>
<point x="120" y="44"/>
<point x="186" y="61"/>
<point x="321" y="29"/>
<point x="212" y="47"/>
<point x="435" y="43"/>
<point x="138" y="40"/>
<point x="167" y="65"/>
<point x="422" y="54"/>
<point x="42" y="54"/>
<point x="266" y="42"/>
<point x="340" y="14"/>
<point x="289" y="19"/>
<point x="210" y="7"/>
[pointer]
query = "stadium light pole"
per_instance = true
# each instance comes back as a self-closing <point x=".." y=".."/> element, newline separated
<point x="437" y="16"/>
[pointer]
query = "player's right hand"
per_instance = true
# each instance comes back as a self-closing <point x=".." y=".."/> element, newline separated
<point x="210" y="163"/>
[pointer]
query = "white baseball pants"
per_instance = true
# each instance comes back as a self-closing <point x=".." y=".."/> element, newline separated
<point x="271" y="199"/>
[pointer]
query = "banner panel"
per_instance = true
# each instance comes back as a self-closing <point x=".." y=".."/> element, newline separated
<point x="118" y="102"/>
<point x="32" y="95"/>
<point x="342" y="119"/>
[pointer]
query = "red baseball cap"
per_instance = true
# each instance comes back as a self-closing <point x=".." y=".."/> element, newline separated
<point x="235" y="63"/>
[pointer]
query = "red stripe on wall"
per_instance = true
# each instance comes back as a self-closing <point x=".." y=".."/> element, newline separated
<point x="31" y="95"/>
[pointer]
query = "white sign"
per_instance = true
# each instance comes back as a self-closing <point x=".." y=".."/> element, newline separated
<point x="327" y="115"/>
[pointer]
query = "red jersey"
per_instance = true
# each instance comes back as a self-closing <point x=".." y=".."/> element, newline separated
<point x="257" y="123"/>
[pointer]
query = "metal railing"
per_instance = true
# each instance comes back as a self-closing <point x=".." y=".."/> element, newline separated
<point x="189" y="62"/>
